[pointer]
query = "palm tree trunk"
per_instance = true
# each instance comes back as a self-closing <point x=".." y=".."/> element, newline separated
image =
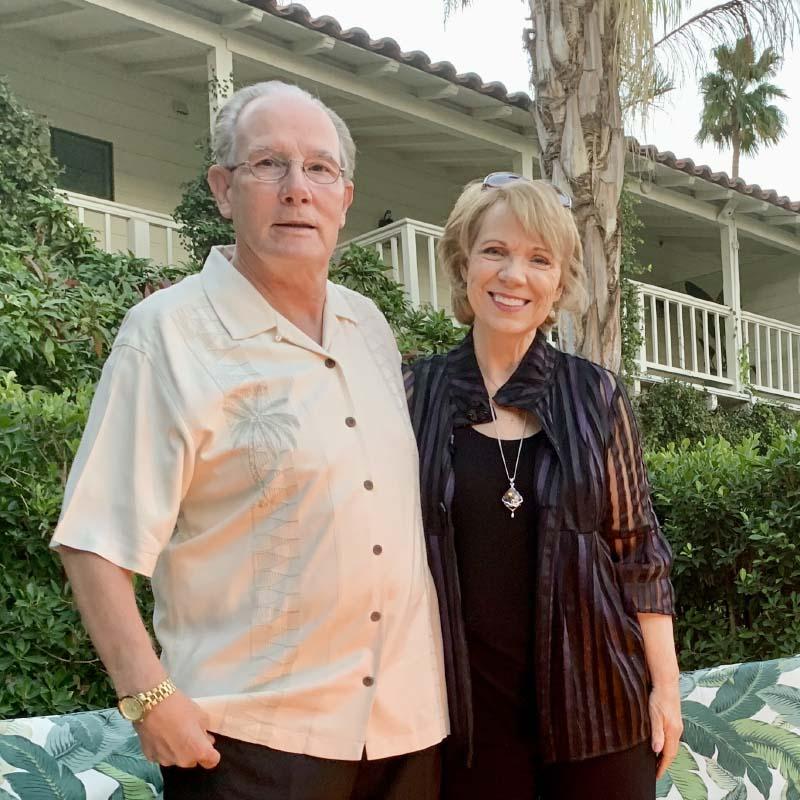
<point x="737" y="149"/>
<point x="579" y="123"/>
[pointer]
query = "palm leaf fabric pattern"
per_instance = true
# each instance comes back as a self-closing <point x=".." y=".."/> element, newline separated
<point x="741" y="742"/>
<point x="93" y="755"/>
<point x="741" y="737"/>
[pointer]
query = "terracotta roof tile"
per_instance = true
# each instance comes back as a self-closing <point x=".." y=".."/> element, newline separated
<point x="669" y="159"/>
<point x="391" y="49"/>
<point x="388" y="47"/>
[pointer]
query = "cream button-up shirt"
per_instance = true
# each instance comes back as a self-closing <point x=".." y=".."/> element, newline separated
<point x="270" y="487"/>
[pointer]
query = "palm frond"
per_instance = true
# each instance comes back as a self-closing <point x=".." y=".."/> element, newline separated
<point x="771" y="23"/>
<point x="452" y="6"/>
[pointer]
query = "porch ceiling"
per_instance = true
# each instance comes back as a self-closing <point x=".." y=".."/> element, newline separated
<point x="415" y="114"/>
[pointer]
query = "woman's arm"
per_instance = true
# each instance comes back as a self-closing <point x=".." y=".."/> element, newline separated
<point x="665" y="698"/>
<point x="643" y="558"/>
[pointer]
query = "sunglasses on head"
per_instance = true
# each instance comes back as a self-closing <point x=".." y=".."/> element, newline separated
<point x="495" y="180"/>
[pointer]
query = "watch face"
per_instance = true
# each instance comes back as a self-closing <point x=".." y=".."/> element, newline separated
<point x="131" y="708"/>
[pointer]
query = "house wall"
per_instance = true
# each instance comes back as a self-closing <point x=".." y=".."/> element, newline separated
<point x="770" y="281"/>
<point x="406" y="187"/>
<point x="154" y="147"/>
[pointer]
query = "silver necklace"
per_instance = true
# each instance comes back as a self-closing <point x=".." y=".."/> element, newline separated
<point x="511" y="499"/>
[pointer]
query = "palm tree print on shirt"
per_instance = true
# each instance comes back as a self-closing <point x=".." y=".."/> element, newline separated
<point x="260" y="425"/>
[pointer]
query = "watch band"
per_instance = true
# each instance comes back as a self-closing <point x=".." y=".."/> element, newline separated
<point x="153" y="697"/>
<point x="134" y="707"/>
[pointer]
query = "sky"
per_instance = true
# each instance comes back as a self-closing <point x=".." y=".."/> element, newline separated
<point x="487" y="39"/>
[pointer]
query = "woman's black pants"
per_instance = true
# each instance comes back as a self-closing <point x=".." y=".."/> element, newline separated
<point x="508" y="772"/>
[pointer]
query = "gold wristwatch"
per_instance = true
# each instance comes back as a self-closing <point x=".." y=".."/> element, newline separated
<point x="134" y="706"/>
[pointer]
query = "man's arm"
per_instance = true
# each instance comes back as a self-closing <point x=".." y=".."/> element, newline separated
<point x="174" y="732"/>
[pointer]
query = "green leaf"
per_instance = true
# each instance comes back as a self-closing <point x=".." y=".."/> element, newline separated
<point x="684" y="774"/>
<point x="738" y="697"/>
<point x="712" y="678"/>
<point x="87" y="730"/>
<point x="777" y="746"/>
<point x="739" y="793"/>
<point x="133" y="788"/>
<point x="708" y="734"/>
<point x="663" y="786"/>
<point x="720" y="776"/>
<point x="42" y="779"/>
<point x="65" y="748"/>
<point x="37" y="786"/>
<point x="784" y="700"/>
<point x="791" y="792"/>
<point x="139" y="767"/>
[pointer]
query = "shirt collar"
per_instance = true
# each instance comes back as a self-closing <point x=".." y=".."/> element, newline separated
<point x="524" y="389"/>
<point x="242" y="309"/>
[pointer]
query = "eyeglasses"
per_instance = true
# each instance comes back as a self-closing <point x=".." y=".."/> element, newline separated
<point x="494" y="180"/>
<point x="271" y="168"/>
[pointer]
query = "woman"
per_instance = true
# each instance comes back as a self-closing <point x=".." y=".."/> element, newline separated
<point x="552" y="574"/>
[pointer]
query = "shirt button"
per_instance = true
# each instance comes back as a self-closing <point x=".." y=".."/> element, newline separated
<point x="369" y="485"/>
<point x="375" y="616"/>
<point x="377" y="549"/>
<point x="330" y="363"/>
<point x="350" y="422"/>
<point x="279" y="338"/>
<point x="368" y="681"/>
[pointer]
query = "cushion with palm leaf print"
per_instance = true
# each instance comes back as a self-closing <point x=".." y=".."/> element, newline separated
<point x="93" y="755"/>
<point x="741" y="737"/>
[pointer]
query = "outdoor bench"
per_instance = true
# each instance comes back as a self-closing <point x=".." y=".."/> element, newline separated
<point x="741" y="740"/>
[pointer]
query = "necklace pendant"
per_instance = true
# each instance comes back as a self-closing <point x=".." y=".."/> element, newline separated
<point x="512" y="499"/>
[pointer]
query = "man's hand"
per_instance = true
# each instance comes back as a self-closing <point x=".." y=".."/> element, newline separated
<point x="666" y="724"/>
<point x="175" y="733"/>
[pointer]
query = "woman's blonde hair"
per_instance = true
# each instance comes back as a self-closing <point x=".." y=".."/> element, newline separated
<point x="537" y="207"/>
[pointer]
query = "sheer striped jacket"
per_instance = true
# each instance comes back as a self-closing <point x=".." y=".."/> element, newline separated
<point x="601" y="558"/>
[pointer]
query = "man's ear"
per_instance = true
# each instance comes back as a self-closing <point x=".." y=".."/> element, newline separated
<point x="349" y="190"/>
<point x="219" y="181"/>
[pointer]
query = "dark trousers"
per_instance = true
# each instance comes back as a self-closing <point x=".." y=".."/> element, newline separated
<point x="508" y="772"/>
<point x="254" y="772"/>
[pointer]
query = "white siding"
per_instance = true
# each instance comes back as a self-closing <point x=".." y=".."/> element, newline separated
<point x="154" y="150"/>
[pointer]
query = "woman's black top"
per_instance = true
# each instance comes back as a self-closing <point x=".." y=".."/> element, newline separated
<point x="495" y="562"/>
<point x="600" y="556"/>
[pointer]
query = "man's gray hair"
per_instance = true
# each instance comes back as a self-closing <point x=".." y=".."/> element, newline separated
<point x="223" y="138"/>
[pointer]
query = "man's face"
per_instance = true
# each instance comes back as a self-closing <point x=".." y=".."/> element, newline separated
<point x="294" y="219"/>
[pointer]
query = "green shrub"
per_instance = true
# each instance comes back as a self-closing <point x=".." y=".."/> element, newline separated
<point x="419" y="331"/>
<point x="46" y="660"/>
<point x="673" y="411"/>
<point x="61" y="302"/>
<point x="732" y="516"/>
<point x="203" y="226"/>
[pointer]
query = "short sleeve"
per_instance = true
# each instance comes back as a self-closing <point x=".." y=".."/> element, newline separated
<point x="132" y="469"/>
<point x="643" y="556"/>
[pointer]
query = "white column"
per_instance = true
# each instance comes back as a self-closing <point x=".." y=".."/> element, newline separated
<point x="729" y="242"/>
<point x="219" y="61"/>
<point x="523" y="164"/>
<point x="408" y="238"/>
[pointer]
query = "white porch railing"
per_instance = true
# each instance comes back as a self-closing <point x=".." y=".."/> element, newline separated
<point x="123" y="228"/>
<point x="409" y="248"/>
<point x="773" y="354"/>
<point x="684" y="336"/>
<point x="692" y="339"/>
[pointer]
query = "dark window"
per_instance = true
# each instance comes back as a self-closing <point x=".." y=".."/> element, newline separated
<point x="88" y="163"/>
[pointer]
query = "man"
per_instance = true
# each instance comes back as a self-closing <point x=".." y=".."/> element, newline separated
<point x="249" y="447"/>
